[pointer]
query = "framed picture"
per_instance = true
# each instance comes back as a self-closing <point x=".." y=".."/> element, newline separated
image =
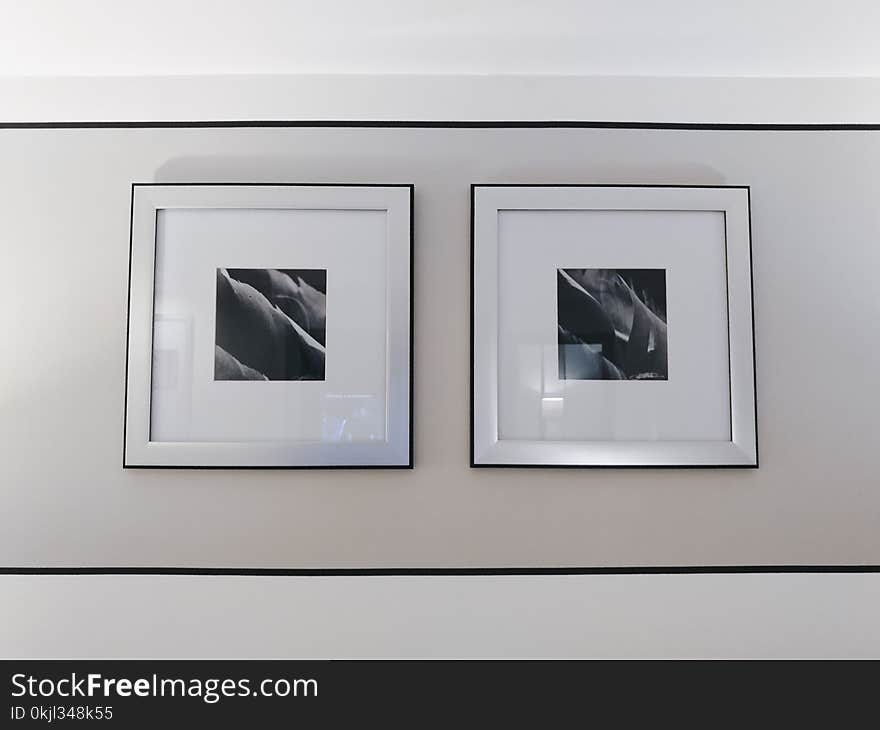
<point x="270" y="326"/>
<point x="612" y="326"/>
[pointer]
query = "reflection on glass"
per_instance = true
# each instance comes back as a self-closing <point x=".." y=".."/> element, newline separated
<point x="352" y="418"/>
<point x="172" y="365"/>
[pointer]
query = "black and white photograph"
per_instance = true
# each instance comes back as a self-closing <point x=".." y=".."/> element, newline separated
<point x="612" y="324"/>
<point x="271" y="324"/>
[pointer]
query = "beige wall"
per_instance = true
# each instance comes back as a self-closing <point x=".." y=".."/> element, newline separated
<point x="66" y="500"/>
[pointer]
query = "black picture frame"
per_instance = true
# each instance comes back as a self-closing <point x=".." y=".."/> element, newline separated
<point x="474" y="464"/>
<point x="409" y="465"/>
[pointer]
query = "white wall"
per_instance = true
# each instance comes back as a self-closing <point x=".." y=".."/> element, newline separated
<point x="761" y="615"/>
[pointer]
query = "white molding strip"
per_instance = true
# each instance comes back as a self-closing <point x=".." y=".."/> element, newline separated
<point x="441" y="98"/>
<point x="788" y="615"/>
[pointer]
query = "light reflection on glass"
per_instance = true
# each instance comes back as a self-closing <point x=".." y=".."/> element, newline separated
<point x="345" y="421"/>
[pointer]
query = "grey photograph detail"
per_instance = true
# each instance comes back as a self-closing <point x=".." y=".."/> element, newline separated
<point x="612" y="324"/>
<point x="271" y="324"/>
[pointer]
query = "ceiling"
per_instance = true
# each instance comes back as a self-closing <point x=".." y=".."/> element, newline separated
<point x="626" y="37"/>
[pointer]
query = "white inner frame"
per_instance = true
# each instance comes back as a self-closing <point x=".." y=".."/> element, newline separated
<point x="147" y="200"/>
<point x="489" y="450"/>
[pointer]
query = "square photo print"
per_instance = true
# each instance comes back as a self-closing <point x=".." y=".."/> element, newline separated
<point x="612" y="324"/>
<point x="270" y="324"/>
